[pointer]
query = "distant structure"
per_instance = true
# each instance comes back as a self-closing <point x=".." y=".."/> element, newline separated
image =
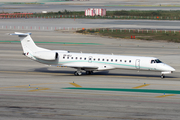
<point x="95" y="12"/>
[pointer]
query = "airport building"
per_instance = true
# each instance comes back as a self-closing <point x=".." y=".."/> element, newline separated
<point x="95" y="12"/>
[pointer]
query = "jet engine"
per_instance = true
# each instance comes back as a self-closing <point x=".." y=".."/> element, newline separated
<point x="46" y="55"/>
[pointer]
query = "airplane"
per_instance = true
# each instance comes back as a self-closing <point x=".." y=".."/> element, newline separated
<point x="89" y="62"/>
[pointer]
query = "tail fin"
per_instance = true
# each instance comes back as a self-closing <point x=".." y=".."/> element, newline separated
<point x="27" y="43"/>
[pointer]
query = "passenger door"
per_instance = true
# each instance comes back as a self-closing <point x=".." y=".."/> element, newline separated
<point x="137" y="64"/>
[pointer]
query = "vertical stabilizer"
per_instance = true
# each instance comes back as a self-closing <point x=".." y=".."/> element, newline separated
<point x="27" y="43"/>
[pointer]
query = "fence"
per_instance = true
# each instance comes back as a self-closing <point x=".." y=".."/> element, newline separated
<point x="132" y="30"/>
<point x="47" y="28"/>
<point x="122" y="30"/>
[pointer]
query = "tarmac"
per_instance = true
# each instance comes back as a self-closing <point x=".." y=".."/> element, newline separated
<point x="30" y="90"/>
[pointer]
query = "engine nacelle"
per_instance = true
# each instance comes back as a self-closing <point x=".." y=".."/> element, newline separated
<point x="46" y="55"/>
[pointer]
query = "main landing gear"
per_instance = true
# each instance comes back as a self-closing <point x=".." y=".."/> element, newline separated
<point x="89" y="72"/>
<point x="162" y="76"/>
<point x="76" y="73"/>
<point x="79" y="73"/>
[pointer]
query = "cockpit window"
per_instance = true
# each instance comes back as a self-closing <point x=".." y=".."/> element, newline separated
<point x="158" y="61"/>
<point x="152" y="61"/>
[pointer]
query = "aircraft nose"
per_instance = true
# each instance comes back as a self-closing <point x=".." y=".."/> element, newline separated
<point x="170" y="68"/>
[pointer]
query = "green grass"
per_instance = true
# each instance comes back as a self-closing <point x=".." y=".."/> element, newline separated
<point x="123" y="14"/>
<point x="145" y="13"/>
<point x="169" y="36"/>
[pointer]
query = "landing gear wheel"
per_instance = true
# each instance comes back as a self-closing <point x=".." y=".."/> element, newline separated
<point x="77" y="73"/>
<point x="162" y="76"/>
<point x="89" y="72"/>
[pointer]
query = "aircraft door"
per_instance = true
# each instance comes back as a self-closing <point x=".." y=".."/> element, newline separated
<point x="137" y="64"/>
<point x="90" y="59"/>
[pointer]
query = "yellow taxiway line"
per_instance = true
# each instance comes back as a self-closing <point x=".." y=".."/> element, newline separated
<point x="74" y="84"/>
<point x="164" y="96"/>
<point x="141" y="86"/>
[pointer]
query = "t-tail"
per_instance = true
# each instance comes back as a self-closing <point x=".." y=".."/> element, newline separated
<point x="31" y="50"/>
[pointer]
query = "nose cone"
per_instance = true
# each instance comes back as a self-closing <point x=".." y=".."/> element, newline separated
<point x="169" y="68"/>
<point x="165" y="67"/>
<point x="172" y="69"/>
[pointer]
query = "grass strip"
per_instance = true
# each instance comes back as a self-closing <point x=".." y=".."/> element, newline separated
<point x="149" y="35"/>
<point x="120" y="14"/>
<point x="128" y="90"/>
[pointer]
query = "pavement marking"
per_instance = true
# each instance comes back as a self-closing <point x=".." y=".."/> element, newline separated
<point x="27" y="86"/>
<point x="38" y="89"/>
<point x="164" y="96"/>
<point x="35" y="88"/>
<point x="74" y="84"/>
<point x="141" y="86"/>
<point x="128" y="90"/>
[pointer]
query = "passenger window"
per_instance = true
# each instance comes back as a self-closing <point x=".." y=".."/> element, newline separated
<point x="80" y="58"/>
<point x="107" y="60"/>
<point x="71" y="57"/>
<point x="67" y="57"/>
<point x="120" y="60"/>
<point x="111" y="60"/>
<point x="98" y="59"/>
<point x="84" y="58"/>
<point x="63" y="57"/>
<point x="76" y="58"/>
<point x="94" y="59"/>
<point x="116" y="60"/>
<point x="89" y="58"/>
<point x="102" y="59"/>
<point x="129" y="61"/>
<point x="124" y="60"/>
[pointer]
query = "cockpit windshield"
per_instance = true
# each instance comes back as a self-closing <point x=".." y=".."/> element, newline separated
<point x="156" y="61"/>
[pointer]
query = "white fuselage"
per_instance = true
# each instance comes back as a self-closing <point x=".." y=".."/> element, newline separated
<point x="100" y="62"/>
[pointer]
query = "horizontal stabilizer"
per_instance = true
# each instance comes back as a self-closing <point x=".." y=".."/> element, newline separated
<point x="20" y="34"/>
